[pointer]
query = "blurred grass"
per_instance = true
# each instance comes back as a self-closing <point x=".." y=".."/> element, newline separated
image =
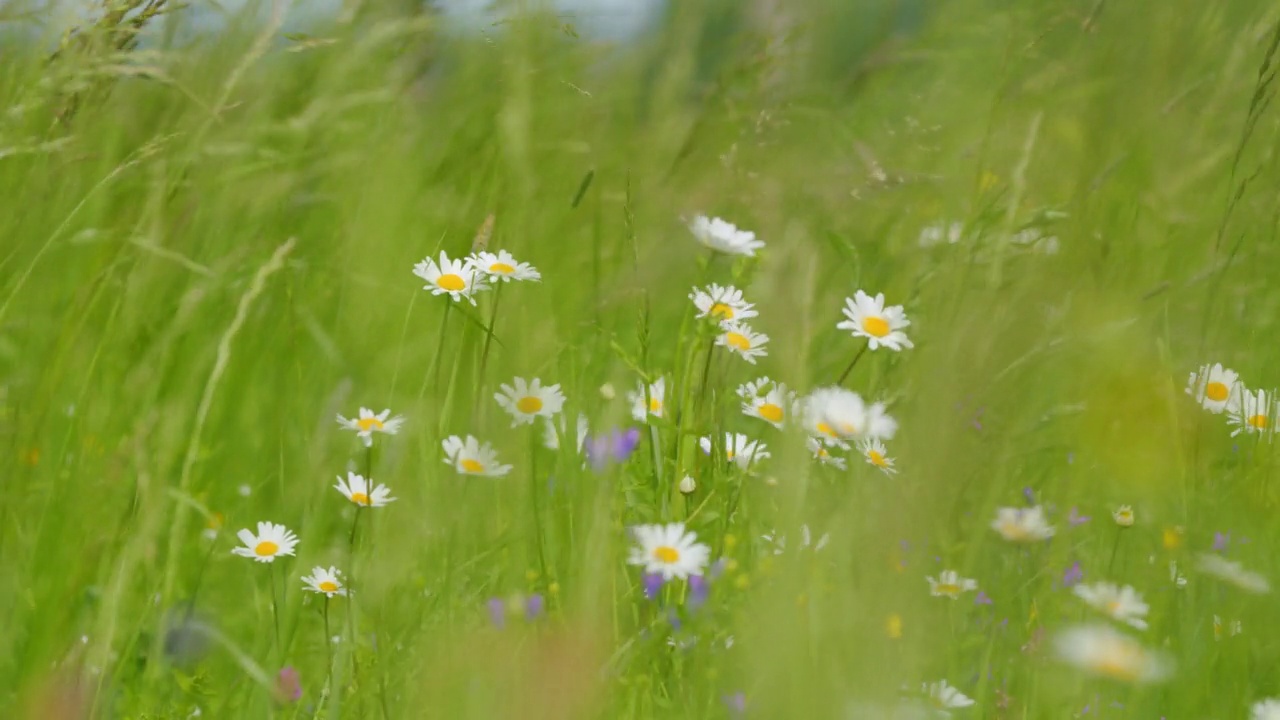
<point x="833" y="130"/>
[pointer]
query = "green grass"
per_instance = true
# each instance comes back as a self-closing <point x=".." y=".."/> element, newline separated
<point x="206" y="255"/>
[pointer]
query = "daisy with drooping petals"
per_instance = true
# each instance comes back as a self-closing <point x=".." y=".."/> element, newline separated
<point x="724" y="237"/>
<point x="270" y="542"/>
<point x="326" y="582"/>
<point x="739" y="338"/>
<point x="822" y="454"/>
<point x="362" y="492"/>
<point x="1232" y="572"/>
<point x="869" y="318"/>
<point x="503" y="267"/>
<point x="772" y="405"/>
<point x="1101" y="651"/>
<point x="1268" y="709"/>
<point x="721" y="303"/>
<point x="945" y="697"/>
<point x="1254" y="412"/>
<point x="875" y="453"/>
<point x="529" y="401"/>
<point x="740" y="449"/>
<point x="1022" y="524"/>
<point x="668" y="550"/>
<point x="1216" y="388"/>
<point x="469" y="457"/>
<point x="367" y="423"/>
<point x="950" y="584"/>
<point x="653" y="403"/>
<point x="1122" y="604"/>
<point x="455" y="278"/>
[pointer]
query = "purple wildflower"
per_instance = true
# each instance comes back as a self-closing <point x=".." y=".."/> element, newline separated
<point x="717" y="569"/>
<point x="534" y="606"/>
<point x="288" y="684"/>
<point x="1073" y="575"/>
<point x="652" y="585"/>
<point x="736" y="703"/>
<point x="1077" y="519"/>
<point x="699" y="589"/>
<point x="1221" y="541"/>
<point x="1030" y="495"/>
<point x="983" y="599"/>
<point x="617" y="446"/>
<point x="497" y="612"/>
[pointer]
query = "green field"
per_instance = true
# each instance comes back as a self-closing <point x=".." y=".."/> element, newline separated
<point x="207" y="253"/>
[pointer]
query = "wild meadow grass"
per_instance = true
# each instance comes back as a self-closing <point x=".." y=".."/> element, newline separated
<point x="221" y="260"/>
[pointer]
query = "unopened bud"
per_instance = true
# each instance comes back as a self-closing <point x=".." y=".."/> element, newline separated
<point x="688" y="485"/>
<point x="607" y="392"/>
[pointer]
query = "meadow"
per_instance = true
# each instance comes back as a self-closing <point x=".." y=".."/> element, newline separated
<point x="821" y="359"/>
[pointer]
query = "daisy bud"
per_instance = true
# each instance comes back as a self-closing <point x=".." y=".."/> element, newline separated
<point x="607" y="392"/>
<point x="688" y="485"/>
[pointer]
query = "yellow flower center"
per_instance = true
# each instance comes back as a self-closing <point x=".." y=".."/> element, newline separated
<point x="359" y="498"/>
<point x="948" y="589"/>
<point x="771" y="412"/>
<point x="875" y="326"/>
<point x="1121" y="663"/>
<point x="1216" y="391"/>
<point x="876" y="458"/>
<point x="367" y="424"/>
<point x="826" y="429"/>
<point x="1013" y="530"/>
<point x="893" y="626"/>
<point x="451" y="282"/>
<point x="529" y="404"/>
<point x="471" y="466"/>
<point x="655" y="406"/>
<point x="501" y="268"/>
<point x="1258" y="421"/>
<point x="666" y="554"/>
<point x="722" y="311"/>
<point x="1172" y="539"/>
<point x="738" y="340"/>
<point x="328" y="586"/>
<point x="266" y="548"/>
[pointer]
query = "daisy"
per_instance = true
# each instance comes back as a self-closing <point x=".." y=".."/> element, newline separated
<point x="875" y="453"/>
<point x="950" y="584"/>
<point x="456" y="278"/>
<point x="502" y="267"/>
<point x="822" y="455"/>
<point x="1022" y="524"/>
<point x="668" y="550"/>
<point x="655" y="400"/>
<point x="771" y="406"/>
<point x="740" y="338"/>
<point x="880" y="424"/>
<point x="527" y="402"/>
<point x="1123" y="516"/>
<point x="944" y="697"/>
<point x="271" y="541"/>
<point x="328" y="582"/>
<point x="551" y="438"/>
<point x="469" y="457"/>
<point x="1252" y="412"/>
<point x="362" y="492"/>
<point x="724" y="237"/>
<point x="834" y="412"/>
<point x="1268" y="709"/>
<point x="1122" y="604"/>
<point x="1232" y="572"/>
<point x="367" y="423"/>
<point x="740" y="449"/>
<point x="869" y="318"/>
<point x="1216" y="388"/>
<point x="1101" y="651"/>
<point x="721" y="303"/>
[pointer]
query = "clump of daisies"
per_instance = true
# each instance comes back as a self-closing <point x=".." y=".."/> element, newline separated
<point x="457" y="278"/>
<point x="1219" y="390"/>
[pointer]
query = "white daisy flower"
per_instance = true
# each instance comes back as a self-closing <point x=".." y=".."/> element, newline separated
<point x="529" y="401"/>
<point x="835" y="413"/>
<point x="823" y="455"/>
<point x="327" y="582"/>
<point x="469" y="457"/>
<point x="1022" y="524"/>
<point x="772" y="406"/>
<point x="740" y="449"/>
<point x="455" y="278"/>
<point x="655" y="401"/>
<point x="1122" y="604"/>
<point x="1123" y="516"/>
<point x="1254" y="412"/>
<point x="721" y="303"/>
<point x="1216" y="388"/>
<point x="741" y="339"/>
<point x="724" y="237"/>
<point x="668" y="550"/>
<point x="945" y="697"/>
<point x="875" y="453"/>
<point x="880" y="424"/>
<point x="869" y="318"/>
<point x="367" y="423"/>
<point x="1233" y="573"/>
<point x="362" y="492"/>
<point x="1233" y="628"/>
<point x="502" y="267"/>
<point x="1101" y="651"/>
<point x="1268" y="709"/>
<point x="271" y="541"/>
<point x="950" y="584"/>
<point x="551" y="439"/>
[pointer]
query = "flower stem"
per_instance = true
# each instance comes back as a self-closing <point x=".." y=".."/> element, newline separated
<point x="354" y="524"/>
<point x="328" y="643"/>
<point x="1114" y="548"/>
<point x="434" y="373"/>
<point x="488" y="341"/>
<point x="537" y="505"/>
<point x="275" y="610"/>
<point x="849" y="369"/>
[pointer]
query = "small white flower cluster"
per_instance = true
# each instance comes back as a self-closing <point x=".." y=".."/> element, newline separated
<point x="1219" y="390"/>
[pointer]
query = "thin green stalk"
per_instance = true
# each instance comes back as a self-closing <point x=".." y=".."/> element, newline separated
<point x="488" y="341"/>
<point x="537" y="505"/>
<point x="849" y="369"/>
<point x="275" y="609"/>
<point x="434" y="373"/>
